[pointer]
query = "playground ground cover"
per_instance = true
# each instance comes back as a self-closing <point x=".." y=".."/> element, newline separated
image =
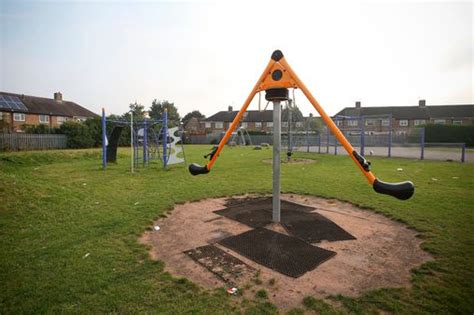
<point x="69" y="231"/>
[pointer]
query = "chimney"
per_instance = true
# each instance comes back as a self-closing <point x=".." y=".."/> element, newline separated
<point x="230" y="108"/>
<point x="310" y="114"/>
<point x="422" y="103"/>
<point x="58" y="96"/>
<point x="358" y="104"/>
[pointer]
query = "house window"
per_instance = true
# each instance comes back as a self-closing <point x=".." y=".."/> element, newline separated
<point x="219" y="125"/>
<point x="61" y="120"/>
<point x="270" y="124"/>
<point x="299" y="124"/>
<point x="440" y="121"/>
<point x="19" y="117"/>
<point x="44" y="119"/>
<point x="385" y="122"/>
<point x="370" y="122"/>
<point x="339" y="123"/>
<point x="81" y="119"/>
<point x="285" y="124"/>
<point x="1" y="115"/>
<point x="353" y="123"/>
<point x="457" y="122"/>
<point x="258" y="124"/>
<point x="207" y="125"/>
<point x="403" y="122"/>
<point x="419" y="122"/>
<point x="244" y="125"/>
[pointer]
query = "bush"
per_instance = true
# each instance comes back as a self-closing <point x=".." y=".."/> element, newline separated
<point x="78" y="135"/>
<point x="39" y="129"/>
<point x="450" y="133"/>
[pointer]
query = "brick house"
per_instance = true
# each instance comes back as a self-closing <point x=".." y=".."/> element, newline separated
<point x="17" y="110"/>
<point x="253" y="120"/>
<point x="404" y="118"/>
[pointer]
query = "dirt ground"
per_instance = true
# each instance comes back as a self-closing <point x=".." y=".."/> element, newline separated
<point x="381" y="257"/>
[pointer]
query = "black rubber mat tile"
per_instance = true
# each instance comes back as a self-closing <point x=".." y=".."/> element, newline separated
<point x="288" y="255"/>
<point x="222" y="264"/>
<point x="314" y="227"/>
<point x="264" y="203"/>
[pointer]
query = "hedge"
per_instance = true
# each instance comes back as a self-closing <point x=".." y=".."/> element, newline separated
<point x="450" y="133"/>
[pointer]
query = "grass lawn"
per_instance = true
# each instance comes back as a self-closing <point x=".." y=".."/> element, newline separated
<point x="68" y="230"/>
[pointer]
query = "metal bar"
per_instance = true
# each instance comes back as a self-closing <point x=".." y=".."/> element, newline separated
<point x="422" y="144"/>
<point x="131" y="141"/>
<point x="390" y="136"/>
<point x="104" y="140"/>
<point x="463" y="153"/>
<point x="165" y="138"/>
<point x="319" y="142"/>
<point x="362" y="135"/>
<point x="327" y="140"/>
<point x="145" y="144"/>
<point x="276" y="160"/>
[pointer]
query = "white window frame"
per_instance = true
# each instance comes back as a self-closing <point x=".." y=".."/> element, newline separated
<point x="16" y="115"/>
<point x="403" y="122"/>
<point x="1" y="115"/>
<point x="457" y="122"/>
<point x="299" y="124"/>
<point x="61" y="120"/>
<point x="219" y="125"/>
<point x="353" y="122"/>
<point x="371" y="122"/>
<point x="269" y="124"/>
<point x="339" y="123"/>
<point x="258" y="124"/>
<point x="419" y="122"/>
<point x="42" y="120"/>
<point x="440" y="121"/>
<point x="284" y="124"/>
<point x="385" y="122"/>
<point x="207" y="125"/>
<point x="244" y="125"/>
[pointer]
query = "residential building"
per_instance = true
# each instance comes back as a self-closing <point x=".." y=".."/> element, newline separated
<point x="17" y="110"/>
<point x="403" y="118"/>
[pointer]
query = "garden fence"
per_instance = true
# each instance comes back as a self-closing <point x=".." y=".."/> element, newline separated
<point x="23" y="141"/>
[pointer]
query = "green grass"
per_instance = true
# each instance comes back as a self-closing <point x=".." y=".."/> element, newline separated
<point x="56" y="207"/>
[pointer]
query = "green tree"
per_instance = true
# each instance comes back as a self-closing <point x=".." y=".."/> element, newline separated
<point x="138" y="111"/>
<point x="195" y="113"/>
<point x="78" y="135"/>
<point x="157" y="108"/>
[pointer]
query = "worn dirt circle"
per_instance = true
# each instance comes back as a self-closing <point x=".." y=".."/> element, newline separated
<point x="292" y="161"/>
<point x="382" y="255"/>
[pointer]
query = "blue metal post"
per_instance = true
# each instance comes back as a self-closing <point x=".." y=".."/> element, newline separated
<point x="390" y="136"/>
<point x="307" y="137"/>
<point x="327" y="140"/>
<point x="335" y="140"/>
<point x="319" y="142"/>
<point x="422" y="140"/>
<point x="104" y="140"/>
<point x="463" y="152"/>
<point x="165" y="138"/>
<point x="362" y="135"/>
<point x="145" y="143"/>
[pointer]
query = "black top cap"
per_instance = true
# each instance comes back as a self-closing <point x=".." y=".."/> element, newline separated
<point x="277" y="55"/>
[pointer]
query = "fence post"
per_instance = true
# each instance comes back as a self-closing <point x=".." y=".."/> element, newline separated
<point x="362" y="136"/>
<point x="335" y="140"/>
<point x="319" y="142"/>
<point x="390" y="136"/>
<point x="463" y="152"/>
<point x="327" y="140"/>
<point x="104" y="140"/>
<point x="307" y="137"/>
<point x="422" y="140"/>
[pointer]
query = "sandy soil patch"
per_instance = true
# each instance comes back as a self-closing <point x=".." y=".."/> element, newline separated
<point x="382" y="256"/>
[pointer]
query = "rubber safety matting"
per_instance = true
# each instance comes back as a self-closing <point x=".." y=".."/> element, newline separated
<point x="221" y="264"/>
<point x="296" y="219"/>
<point x="288" y="255"/>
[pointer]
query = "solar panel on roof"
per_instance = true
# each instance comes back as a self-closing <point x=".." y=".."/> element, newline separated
<point x="12" y="103"/>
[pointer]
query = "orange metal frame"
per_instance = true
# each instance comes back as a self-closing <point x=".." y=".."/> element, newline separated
<point x="289" y="79"/>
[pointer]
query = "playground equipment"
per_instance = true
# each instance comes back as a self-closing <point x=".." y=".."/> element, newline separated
<point x="275" y="80"/>
<point x="241" y="137"/>
<point x="146" y="143"/>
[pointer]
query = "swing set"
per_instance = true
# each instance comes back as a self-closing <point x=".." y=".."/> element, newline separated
<point x="275" y="80"/>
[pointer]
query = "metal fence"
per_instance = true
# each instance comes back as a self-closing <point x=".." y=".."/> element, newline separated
<point x="22" y="141"/>
<point x="390" y="144"/>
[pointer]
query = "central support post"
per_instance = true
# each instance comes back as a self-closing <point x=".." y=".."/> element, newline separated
<point x="276" y="160"/>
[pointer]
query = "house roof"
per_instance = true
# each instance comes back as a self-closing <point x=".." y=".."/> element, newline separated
<point x="412" y="112"/>
<point x="251" y="116"/>
<point x="48" y="106"/>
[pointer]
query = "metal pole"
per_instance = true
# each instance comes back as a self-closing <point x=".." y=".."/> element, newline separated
<point x="307" y="136"/>
<point x="145" y="143"/>
<point x="104" y="140"/>
<point x="319" y="142"/>
<point x="327" y="140"/>
<point x="131" y="141"/>
<point x="390" y="136"/>
<point x="335" y="141"/>
<point x="422" y="140"/>
<point x="290" y="147"/>
<point x="463" y="152"/>
<point x="362" y="136"/>
<point x="276" y="160"/>
<point x="165" y="137"/>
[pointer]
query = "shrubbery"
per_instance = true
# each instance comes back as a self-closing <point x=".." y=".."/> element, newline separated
<point x="450" y="133"/>
<point x="79" y="135"/>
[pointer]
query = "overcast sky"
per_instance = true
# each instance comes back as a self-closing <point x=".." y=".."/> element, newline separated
<point x="206" y="55"/>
